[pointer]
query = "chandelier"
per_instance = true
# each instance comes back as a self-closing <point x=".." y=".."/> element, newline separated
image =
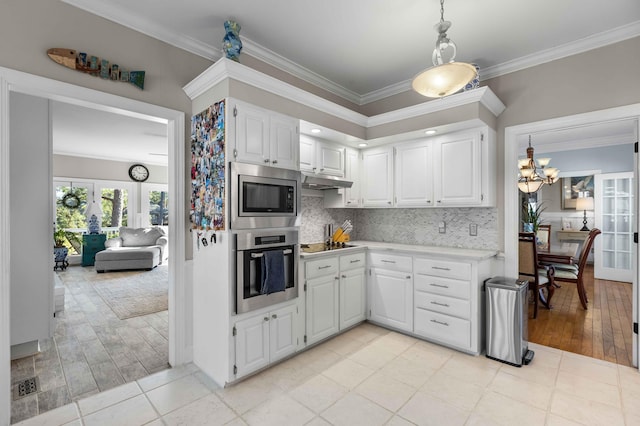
<point x="446" y="76"/>
<point x="532" y="177"/>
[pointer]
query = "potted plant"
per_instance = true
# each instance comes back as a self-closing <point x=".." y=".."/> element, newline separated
<point x="531" y="216"/>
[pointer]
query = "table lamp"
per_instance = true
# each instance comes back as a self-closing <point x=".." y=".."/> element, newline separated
<point x="584" y="203"/>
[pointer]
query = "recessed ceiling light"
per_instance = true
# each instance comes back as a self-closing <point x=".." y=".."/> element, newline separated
<point x="362" y="144"/>
<point x="315" y="130"/>
<point x="431" y="132"/>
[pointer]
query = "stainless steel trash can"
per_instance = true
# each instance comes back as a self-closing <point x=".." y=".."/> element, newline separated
<point x="506" y="322"/>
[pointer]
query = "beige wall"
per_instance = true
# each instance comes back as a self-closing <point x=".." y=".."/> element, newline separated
<point x="29" y="27"/>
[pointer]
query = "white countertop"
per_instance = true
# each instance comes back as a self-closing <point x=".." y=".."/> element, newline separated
<point x="448" y="252"/>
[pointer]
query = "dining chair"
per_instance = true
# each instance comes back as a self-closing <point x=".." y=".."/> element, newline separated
<point x="539" y="277"/>
<point x="544" y="237"/>
<point x="575" y="273"/>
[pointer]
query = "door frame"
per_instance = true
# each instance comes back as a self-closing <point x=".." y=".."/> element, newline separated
<point x="21" y="82"/>
<point x="512" y="135"/>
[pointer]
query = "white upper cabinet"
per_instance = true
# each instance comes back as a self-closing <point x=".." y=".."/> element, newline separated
<point x="259" y="136"/>
<point x="414" y="175"/>
<point x="321" y="157"/>
<point x="352" y="173"/>
<point x="377" y="177"/>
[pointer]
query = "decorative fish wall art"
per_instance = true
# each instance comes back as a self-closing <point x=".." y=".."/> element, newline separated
<point x="93" y="65"/>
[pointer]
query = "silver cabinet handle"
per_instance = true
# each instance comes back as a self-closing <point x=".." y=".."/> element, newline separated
<point x="440" y="304"/>
<point x="440" y="268"/>
<point x="274" y="162"/>
<point x="324" y="267"/>
<point x="388" y="202"/>
<point x="439" y="285"/>
<point x="266" y="318"/>
<point x="440" y="322"/>
<point x="354" y="261"/>
<point x="344" y="276"/>
<point x="408" y="277"/>
<point x="428" y="201"/>
<point x="274" y="316"/>
<point x="322" y="169"/>
<point x="348" y="202"/>
<point x="315" y="168"/>
<point x="387" y="261"/>
<point x="336" y="278"/>
<point x="439" y="201"/>
<point x="266" y="160"/>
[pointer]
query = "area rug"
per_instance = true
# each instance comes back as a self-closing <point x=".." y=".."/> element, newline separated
<point x="133" y="293"/>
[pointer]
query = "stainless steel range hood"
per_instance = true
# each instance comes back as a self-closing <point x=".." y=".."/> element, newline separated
<point x="312" y="181"/>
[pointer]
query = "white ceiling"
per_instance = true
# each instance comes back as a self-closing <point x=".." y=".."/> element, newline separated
<point x="362" y="50"/>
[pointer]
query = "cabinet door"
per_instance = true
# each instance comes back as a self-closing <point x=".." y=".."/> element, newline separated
<point x="322" y="308"/>
<point x="377" y="177"/>
<point x="414" y="182"/>
<point x="307" y="154"/>
<point x="352" y="297"/>
<point x="282" y="332"/>
<point x="391" y="298"/>
<point x="284" y="142"/>
<point x="252" y="134"/>
<point x="252" y="344"/>
<point x="352" y="173"/>
<point x="330" y="159"/>
<point x="458" y="172"/>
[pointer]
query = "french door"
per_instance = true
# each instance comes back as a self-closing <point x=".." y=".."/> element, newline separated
<point x="614" y="215"/>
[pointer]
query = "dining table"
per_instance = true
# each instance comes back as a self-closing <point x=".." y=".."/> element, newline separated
<point x="557" y="253"/>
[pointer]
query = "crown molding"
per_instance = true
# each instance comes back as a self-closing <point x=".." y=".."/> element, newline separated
<point x="579" y="144"/>
<point x="568" y="49"/>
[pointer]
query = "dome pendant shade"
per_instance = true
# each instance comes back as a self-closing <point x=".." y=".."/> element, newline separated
<point x="443" y="80"/>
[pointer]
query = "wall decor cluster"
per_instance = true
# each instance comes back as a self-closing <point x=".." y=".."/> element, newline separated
<point x="93" y="65"/>
<point x="207" y="168"/>
<point x="572" y="187"/>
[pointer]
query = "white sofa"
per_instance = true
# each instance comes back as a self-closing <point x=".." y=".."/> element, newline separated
<point x="134" y="248"/>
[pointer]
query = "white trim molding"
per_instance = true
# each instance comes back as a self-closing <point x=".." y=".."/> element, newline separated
<point x="20" y="82"/>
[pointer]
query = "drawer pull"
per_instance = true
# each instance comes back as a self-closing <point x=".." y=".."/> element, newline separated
<point x="324" y="267"/>
<point x="440" y="268"/>
<point x="274" y="316"/>
<point x="344" y="276"/>
<point x="266" y="318"/>
<point x="387" y="261"/>
<point x="439" y="285"/>
<point x="440" y="322"/>
<point x="440" y="304"/>
<point x="354" y="261"/>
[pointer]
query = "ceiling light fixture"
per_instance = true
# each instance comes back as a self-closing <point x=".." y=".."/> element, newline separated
<point x="532" y="177"/>
<point x="446" y="76"/>
<point x="315" y="130"/>
<point x="363" y="144"/>
<point x="430" y="132"/>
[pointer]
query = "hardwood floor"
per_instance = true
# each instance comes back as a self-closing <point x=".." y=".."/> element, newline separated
<point x="603" y="331"/>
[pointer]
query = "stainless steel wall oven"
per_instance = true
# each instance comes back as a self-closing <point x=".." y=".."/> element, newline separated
<point x="251" y="247"/>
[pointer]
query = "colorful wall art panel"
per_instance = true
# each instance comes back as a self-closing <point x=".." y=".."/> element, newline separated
<point x="207" y="169"/>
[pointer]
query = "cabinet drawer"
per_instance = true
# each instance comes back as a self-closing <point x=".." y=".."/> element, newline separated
<point x="443" y="304"/>
<point x="352" y="261"/>
<point x="442" y="286"/>
<point x="391" y="262"/>
<point x="433" y="325"/>
<point x="320" y="267"/>
<point x="443" y="268"/>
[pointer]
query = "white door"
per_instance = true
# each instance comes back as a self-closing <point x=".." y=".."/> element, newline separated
<point x="414" y="182"/>
<point x="377" y="177"/>
<point x="352" y="297"/>
<point x="252" y="134"/>
<point x="458" y="175"/>
<point x="252" y="344"/>
<point x="391" y="298"/>
<point x="284" y="142"/>
<point x="352" y="173"/>
<point x="282" y="332"/>
<point x="322" y="308"/>
<point x="613" y="253"/>
<point x="330" y="159"/>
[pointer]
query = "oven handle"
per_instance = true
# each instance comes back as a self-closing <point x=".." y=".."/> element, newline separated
<point x="256" y="255"/>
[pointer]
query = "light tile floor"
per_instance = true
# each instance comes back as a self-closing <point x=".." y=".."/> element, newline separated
<point x="92" y="349"/>
<point x="370" y="376"/>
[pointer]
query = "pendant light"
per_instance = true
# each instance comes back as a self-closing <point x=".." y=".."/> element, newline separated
<point x="446" y="76"/>
<point x="532" y="176"/>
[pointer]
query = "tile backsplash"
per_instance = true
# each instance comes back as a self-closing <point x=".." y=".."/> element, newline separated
<point x="405" y="226"/>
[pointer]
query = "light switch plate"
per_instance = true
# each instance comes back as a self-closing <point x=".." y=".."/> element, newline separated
<point x="442" y="227"/>
<point x="473" y="229"/>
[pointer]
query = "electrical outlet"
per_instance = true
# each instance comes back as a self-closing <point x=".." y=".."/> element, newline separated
<point x="473" y="229"/>
<point x="442" y="227"/>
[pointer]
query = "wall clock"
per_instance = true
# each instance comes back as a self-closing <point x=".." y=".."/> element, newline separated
<point x="138" y="173"/>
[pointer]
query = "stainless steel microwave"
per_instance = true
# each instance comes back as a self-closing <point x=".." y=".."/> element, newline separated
<point x="264" y="197"/>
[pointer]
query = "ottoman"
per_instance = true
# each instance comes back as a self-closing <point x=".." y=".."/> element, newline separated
<point x="122" y="258"/>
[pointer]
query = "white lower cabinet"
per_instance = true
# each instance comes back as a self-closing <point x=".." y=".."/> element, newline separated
<point x="391" y="298"/>
<point x="263" y="339"/>
<point x="335" y="300"/>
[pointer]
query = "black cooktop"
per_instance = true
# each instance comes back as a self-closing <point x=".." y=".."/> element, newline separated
<point x="321" y="247"/>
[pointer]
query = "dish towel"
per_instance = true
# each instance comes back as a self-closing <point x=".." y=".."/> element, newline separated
<point x="272" y="271"/>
